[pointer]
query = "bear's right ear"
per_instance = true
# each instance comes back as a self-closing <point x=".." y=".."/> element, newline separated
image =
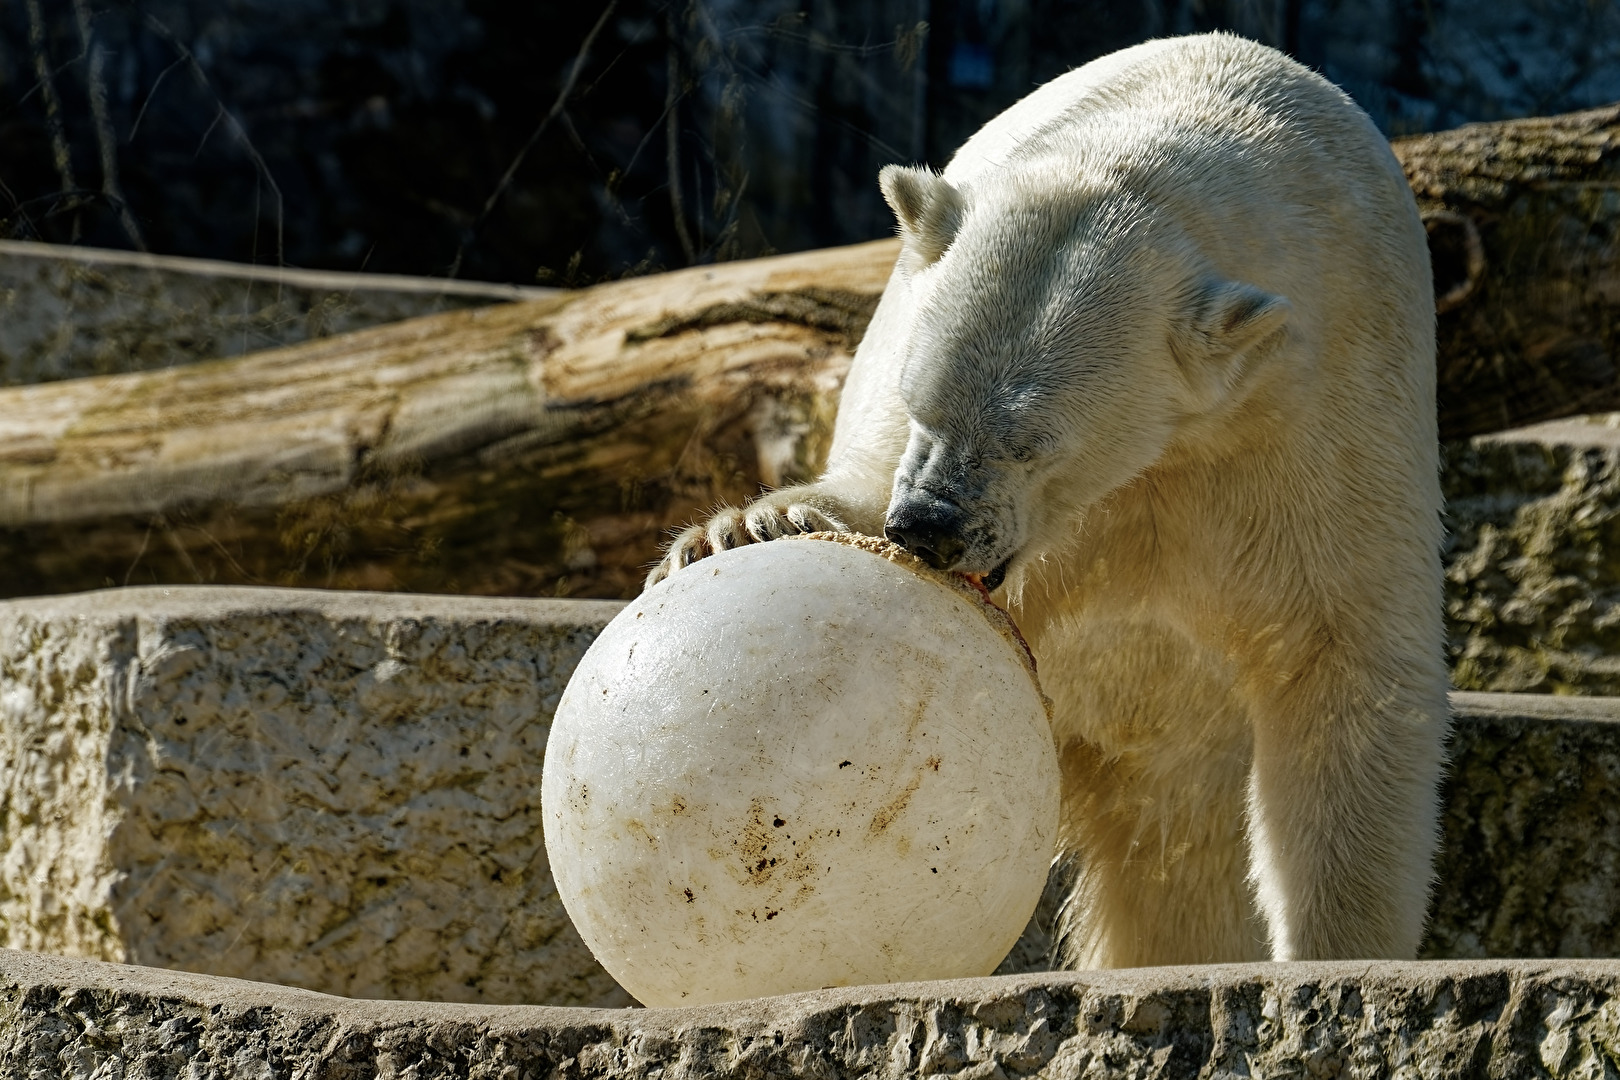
<point x="928" y="208"/>
<point x="1225" y="322"/>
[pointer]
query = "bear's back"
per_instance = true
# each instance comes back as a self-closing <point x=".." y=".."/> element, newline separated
<point x="1199" y="94"/>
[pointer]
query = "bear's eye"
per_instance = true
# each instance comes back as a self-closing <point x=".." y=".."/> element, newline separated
<point x="1023" y="454"/>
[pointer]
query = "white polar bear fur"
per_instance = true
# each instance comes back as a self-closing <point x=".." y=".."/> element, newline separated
<point x="1163" y="332"/>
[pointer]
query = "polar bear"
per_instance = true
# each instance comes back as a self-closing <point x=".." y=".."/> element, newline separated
<point x="1157" y="358"/>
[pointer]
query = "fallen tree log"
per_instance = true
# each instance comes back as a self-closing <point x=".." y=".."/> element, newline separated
<point x="1524" y="232"/>
<point x="535" y="448"/>
<point x="546" y="447"/>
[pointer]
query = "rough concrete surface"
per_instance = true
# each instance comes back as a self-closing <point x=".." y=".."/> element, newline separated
<point x="72" y="311"/>
<point x="1530" y="861"/>
<point x="1533" y="558"/>
<point x="338" y="791"/>
<point x="1406" y="1020"/>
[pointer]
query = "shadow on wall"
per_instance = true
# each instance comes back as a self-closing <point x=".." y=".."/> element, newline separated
<point x="552" y="143"/>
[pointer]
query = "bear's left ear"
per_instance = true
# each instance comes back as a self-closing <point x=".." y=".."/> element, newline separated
<point x="928" y="208"/>
<point x="1225" y="321"/>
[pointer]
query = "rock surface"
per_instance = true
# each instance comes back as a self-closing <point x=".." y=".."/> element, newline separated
<point x="1528" y="865"/>
<point x="1533" y="558"/>
<point x="1440" y="1019"/>
<point x="339" y="791"/>
<point x="70" y="311"/>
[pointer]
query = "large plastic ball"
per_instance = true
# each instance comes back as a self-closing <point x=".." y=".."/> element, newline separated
<point x="796" y="765"/>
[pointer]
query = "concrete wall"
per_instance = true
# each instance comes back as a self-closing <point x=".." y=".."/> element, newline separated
<point x="72" y="311"/>
<point x="1532" y="582"/>
<point x="332" y="790"/>
<point x="340" y="791"/>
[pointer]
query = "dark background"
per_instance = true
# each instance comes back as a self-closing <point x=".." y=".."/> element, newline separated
<point x="570" y="143"/>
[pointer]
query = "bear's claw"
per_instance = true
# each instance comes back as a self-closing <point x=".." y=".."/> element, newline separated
<point x="767" y="522"/>
<point x="730" y="528"/>
<point x="726" y="530"/>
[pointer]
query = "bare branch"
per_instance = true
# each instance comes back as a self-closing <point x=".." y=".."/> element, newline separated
<point x="534" y="136"/>
<point x="96" y="85"/>
<point x="672" y="145"/>
<point x="150" y="94"/>
<point x="53" y="103"/>
<point x="231" y="124"/>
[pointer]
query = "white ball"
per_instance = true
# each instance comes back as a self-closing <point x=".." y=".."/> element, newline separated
<point x="797" y="765"/>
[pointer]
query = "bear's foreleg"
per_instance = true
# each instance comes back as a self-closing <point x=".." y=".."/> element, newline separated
<point x="1342" y="812"/>
<point x="1155" y="752"/>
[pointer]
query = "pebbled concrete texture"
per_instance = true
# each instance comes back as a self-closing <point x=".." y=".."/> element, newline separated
<point x="75" y="311"/>
<point x="1532" y="580"/>
<point x="340" y="791"/>
<point x="332" y="790"/>
<point x="1524" y="1019"/>
<point x="1530" y="861"/>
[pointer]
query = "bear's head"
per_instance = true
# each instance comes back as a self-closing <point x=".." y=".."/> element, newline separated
<point x="1062" y="339"/>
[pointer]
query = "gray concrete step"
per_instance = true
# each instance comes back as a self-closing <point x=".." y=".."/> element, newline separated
<point x="1521" y="1019"/>
<point x="341" y="791"/>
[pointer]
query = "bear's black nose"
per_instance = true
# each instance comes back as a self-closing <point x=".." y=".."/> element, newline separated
<point x="930" y="533"/>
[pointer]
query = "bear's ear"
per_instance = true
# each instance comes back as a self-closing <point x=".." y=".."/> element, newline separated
<point x="928" y="208"/>
<point x="1226" y="320"/>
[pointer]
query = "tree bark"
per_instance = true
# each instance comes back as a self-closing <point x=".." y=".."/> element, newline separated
<point x="535" y="448"/>
<point x="1524" y="232"/>
<point x="546" y="447"/>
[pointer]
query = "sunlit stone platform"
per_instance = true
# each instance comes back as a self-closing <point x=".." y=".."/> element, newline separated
<point x="1521" y="1019"/>
<point x="340" y="791"/>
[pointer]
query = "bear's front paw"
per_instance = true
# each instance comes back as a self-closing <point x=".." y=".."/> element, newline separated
<point x="724" y="530"/>
<point x="764" y="519"/>
<point x="767" y="520"/>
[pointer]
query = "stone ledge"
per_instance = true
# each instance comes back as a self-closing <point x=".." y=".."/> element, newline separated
<point x="333" y="790"/>
<point x="1532" y="589"/>
<point x="340" y="791"/>
<point x="1531" y="829"/>
<point x="76" y="311"/>
<point x="1435" y="1019"/>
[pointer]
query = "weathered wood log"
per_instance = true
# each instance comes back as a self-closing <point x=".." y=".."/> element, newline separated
<point x="545" y="447"/>
<point x="539" y="448"/>
<point x="1524" y="230"/>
